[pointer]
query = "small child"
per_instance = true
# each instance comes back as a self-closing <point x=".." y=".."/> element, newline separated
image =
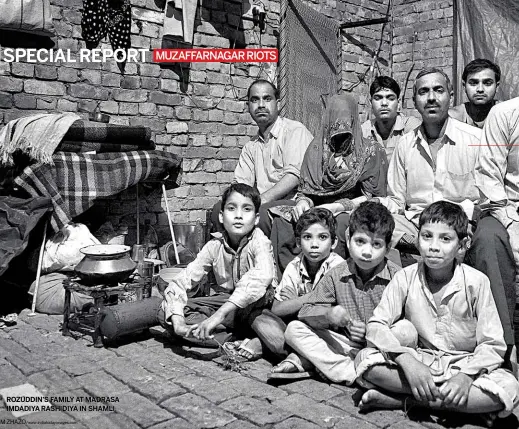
<point x="242" y="262"/>
<point x="315" y="235"/>
<point x="460" y="337"/>
<point x="332" y="323"/>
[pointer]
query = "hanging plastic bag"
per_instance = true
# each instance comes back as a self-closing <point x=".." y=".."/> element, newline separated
<point x="28" y="16"/>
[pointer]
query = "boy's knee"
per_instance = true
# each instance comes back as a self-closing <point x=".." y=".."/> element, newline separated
<point x="406" y="333"/>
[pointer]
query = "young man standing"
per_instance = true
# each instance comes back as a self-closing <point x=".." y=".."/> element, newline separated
<point x="480" y="79"/>
<point x="387" y="125"/>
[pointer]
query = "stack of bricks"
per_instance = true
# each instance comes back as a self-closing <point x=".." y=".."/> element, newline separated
<point x="202" y="115"/>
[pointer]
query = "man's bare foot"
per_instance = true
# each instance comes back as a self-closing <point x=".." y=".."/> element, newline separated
<point x="285" y="366"/>
<point x="250" y="349"/>
<point x="373" y="399"/>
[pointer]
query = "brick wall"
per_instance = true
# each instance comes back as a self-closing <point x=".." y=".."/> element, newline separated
<point x="204" y="118"/>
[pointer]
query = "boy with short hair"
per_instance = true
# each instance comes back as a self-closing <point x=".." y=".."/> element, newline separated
<point x="457" y="366"/>
<point x="331" y="327"/>
<point x="315" y="235"/>
<point x="242" y="262"/>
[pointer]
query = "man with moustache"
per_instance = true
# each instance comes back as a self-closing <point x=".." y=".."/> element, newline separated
<point x="480" y="79"/>
<point x="437" y="161"/>
<point x="388" y="124"/>
<point x="271" y="160"/>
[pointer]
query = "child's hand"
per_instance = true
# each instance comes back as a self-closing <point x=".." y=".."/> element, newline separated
<point x="455" y="391"/>
<point x="339" y="316"/>
<point x="203" y="330"/>
<point x="357" y="331"/>
<point x="419" y="378"/>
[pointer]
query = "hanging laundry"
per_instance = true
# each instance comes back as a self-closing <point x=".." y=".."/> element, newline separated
<point x="106" y="16"/>
<point x="179" y="19"/>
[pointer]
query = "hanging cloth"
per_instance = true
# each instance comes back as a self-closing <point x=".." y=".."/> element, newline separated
<point x="107" y="16"/>
<point x="179" y="19"/>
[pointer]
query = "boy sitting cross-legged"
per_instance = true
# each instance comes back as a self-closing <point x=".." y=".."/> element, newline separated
<point x="315" y="235"/>
<point x="460" y="338"/>
<point x="332" y="324"/>
<point x="242" y="262"/>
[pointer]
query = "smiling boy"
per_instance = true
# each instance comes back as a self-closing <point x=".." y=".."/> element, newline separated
<point x="332" y="324"/>
<point x="242" y="262"/>
<point x="461" y="346"/>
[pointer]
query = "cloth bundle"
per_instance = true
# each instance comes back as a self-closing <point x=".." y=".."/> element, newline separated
<point x="76" y="180"/>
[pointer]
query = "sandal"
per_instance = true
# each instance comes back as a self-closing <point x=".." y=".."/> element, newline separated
<point x="234" y="348"/>
<point x="300" y="374"/>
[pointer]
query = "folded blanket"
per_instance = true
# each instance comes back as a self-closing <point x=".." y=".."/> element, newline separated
<point x="76" y="180"/>
<point x="102" y="147"/>
<point x="36" y="135"/>
<point x="101" y="132"/>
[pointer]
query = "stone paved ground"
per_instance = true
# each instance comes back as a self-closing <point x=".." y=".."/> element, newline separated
<point x="161" y="386"/>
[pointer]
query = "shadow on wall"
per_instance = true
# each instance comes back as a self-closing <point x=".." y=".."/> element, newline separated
<point x="232" y="32"/>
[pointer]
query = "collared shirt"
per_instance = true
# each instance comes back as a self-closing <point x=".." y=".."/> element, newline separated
<point x="460" y="113"/>
<point x="296" y="281"/>
<point x="497" y="171"/>
<point x="343" y="286"/>
<point x="415" y="181"/>
<point x="245" y="273"/>
<point x="264" y="162"/>
<point x="466" y="321"/>
<point x="403" y="125"/>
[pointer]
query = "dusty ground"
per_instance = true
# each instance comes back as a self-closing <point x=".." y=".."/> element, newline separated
<point x="159" y="385"/>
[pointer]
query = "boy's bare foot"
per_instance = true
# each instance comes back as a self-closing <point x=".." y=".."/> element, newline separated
<point x="250" y="349"/>
<point x="374" y="399"/>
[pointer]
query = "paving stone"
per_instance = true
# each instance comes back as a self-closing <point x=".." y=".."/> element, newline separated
<point x="45" y="322"/>
<point x="177" y="423"/>
<point x="198" y="411"/>
<point x="258" y="411"/>
<point x="348" y="422"/>
<point x="380" y="418"/>
<point x="10" y="376"/>
<point x="308" y="409"/>
<point x="29" y="365"/>
<point x="125" y="370"/>
<point x="6" y="415"/>
<point x="141" y="410"/>
<point x="407" y="424"/>
<point x="77" y="365"/>
<point x="255" y="389"/>
<point x="45" y="418"/>
<point x="8" y="346"/>
<point x="203" y="353"/>
<point x="157" y="389"/>
<point x="296" y="423"/>
<point x="209" y="369"/>
<point x="168" y="369"/>
<point x="53" y="381"/>
<point x="312" y="388"/>
<point x="28" y="337"/>
<point x="240" y="424"/>
<point x="214" y="391"/>
<point x="100" y="384"/>
<point x="81" y="399"/>
<point x="111" y="421"/>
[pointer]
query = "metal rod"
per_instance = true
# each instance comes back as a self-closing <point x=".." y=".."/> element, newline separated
<point x="38" y="270"/>
<point x="362" y="23"/>
<point x="138" y="216"/>
<point x="170" y="224"/>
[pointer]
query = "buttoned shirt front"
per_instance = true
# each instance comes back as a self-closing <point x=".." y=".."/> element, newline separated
<point x="497" y="171"/>
<point x="466" y="321"/>
<point x="265" y="161"/>
<point x="343" y="286"/>
<point x="297" y="282"/>
<point x="403" y="125"/>
<point x="415" y="181"/>
<point x="245" y="273"/>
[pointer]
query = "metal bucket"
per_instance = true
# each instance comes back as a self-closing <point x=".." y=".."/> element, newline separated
<point x="190" y="238"/>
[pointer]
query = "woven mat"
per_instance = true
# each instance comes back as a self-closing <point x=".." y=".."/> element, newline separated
<point x="310" y="63"/>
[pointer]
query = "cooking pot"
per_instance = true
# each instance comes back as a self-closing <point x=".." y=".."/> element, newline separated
<point x="105" y="263"/>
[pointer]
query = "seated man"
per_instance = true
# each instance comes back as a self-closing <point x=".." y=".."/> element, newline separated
<point x="272" y="159"/>
<point x="332" y="323"/>
<point x="387" y="125"/>
<point x="242" y="262"/>
<point x="460" y="340"/>
<point x="437" y="161"/>
<point x="480" y="79"/>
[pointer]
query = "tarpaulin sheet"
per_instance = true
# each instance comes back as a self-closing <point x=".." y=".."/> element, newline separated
<point x="490" y="29"/>
<point x="18" y="217"/>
